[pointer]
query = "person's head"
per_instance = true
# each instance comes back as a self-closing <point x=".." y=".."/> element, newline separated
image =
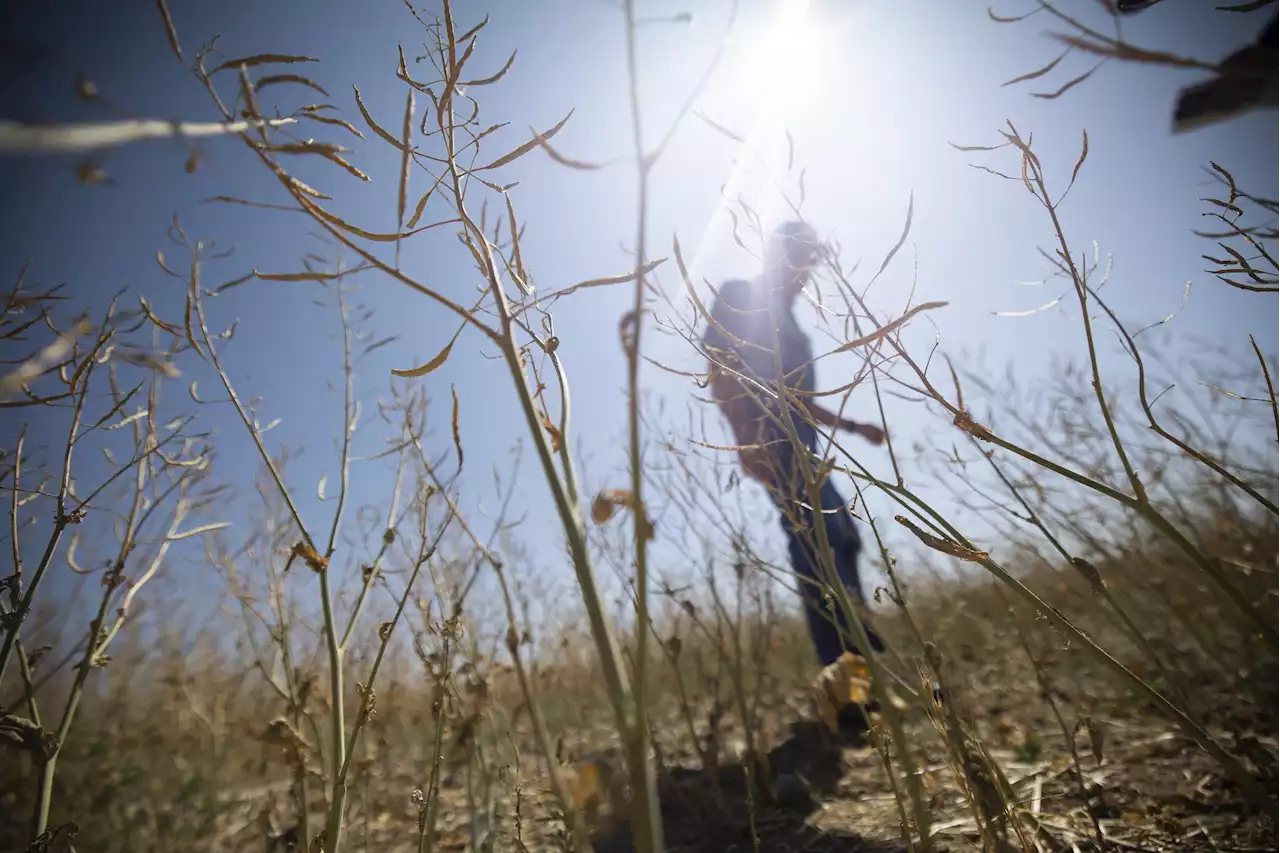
<point x="792" y="252"/>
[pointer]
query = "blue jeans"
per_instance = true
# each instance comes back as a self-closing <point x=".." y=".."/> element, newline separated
<point x="829" y="630"/>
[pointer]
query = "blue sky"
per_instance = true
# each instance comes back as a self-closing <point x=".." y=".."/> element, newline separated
<point x="872" y="100"/>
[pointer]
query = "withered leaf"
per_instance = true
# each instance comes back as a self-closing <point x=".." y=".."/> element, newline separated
<point x="484" y="22"/>
<point x="953" y="549"/>
<point x="23" y="734"/>
<point x="421" y="206"/>
<point x="494" y="78"/>
<point x="360" y="232"/>
<point x="308" y="190"/>
<point x="329" y="152"/>
<point x="90" y="174"/>
<point x="262" y="59"/>
<point x="343" y="123"/>
<point x="580" y="165"/>
<point x="528" y="146"/>
<point x="402" y="194"/>
<point x="1067" y="86"/>
<point x="1090" y="573"/>
<point x="1097" y="737"/>
<point x="978" y="147"/>
<point x="1039" y="72"/>
<point x="295" y="276"/>
<point x="621" y="278"/>
<point x="276" y="79"/>
<point x="556" y="438"/>
<point x="280" y="733"/>
<point x="373" y="125"/>
<point x="607" y="502"/>
<point x="969" y="425"/>
<point x="85" y="88"/>
<point x="890" y="327"/>
<point x="422" y="370"/>
<point x="457" y="432"/>
<point x="1231" y="181"/>
<point x="305" y="552"/>
<point x="1084" y="153"/>
<point x="169" y="30"/>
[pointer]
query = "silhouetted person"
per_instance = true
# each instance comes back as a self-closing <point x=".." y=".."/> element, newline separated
<point x="752" y="313"/>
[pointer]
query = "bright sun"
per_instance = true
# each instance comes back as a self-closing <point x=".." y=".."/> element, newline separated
<point x="781" y="62"/>
<point x="779" y="70"/>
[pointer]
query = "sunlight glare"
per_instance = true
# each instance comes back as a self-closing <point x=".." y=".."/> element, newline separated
<point x="781" y="65"/>
<point x="778" y="70"/>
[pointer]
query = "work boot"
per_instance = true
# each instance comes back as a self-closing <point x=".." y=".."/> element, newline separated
<point x="843" y="700"/>
<point x="842" y="696"/>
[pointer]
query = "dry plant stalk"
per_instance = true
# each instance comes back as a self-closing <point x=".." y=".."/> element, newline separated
<point x="172" y="485"/>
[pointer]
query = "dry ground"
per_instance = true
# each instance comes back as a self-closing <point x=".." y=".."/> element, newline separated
<point x="160" y="764"/>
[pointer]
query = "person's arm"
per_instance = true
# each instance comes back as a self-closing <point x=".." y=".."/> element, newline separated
<point x="828" y="418"/>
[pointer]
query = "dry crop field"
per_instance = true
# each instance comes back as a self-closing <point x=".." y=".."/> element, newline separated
<point x="204" y="649"/>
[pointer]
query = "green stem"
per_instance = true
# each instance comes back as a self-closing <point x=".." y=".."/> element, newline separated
<point x="333" y="643"/>
<point x="337" y="727"/>
<point x="646" y="810"/>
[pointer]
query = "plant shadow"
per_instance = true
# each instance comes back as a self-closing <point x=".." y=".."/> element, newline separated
<point x="719" y="810"/>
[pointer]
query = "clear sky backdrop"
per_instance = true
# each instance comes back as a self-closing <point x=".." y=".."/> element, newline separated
<point x="872" y="93"/>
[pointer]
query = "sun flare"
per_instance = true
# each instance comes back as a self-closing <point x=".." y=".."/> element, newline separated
<point x="781" y="62"/>
<point x="778" y="69"/>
